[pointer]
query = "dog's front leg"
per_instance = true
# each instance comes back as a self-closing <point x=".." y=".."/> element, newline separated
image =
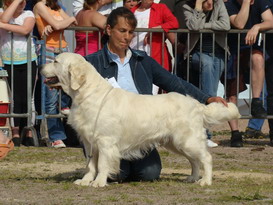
<point x="106" y="160"/>
<point x="91" y="171"/>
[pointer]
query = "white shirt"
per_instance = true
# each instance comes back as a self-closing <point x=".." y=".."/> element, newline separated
<point x="78" y="5"/>
<point x="124" y="79"/>
<point x="19" y="42"/>
<point x="142" y="22"/>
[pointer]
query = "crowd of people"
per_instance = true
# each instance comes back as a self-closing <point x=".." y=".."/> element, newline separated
<point x="205" y="52"/>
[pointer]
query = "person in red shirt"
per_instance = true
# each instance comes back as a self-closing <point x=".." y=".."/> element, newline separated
<point x="153" y="15"/>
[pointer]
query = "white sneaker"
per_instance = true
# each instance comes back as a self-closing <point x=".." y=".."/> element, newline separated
<point x="65" y="111"/>
<point x="58" y="144"/>
<point x="211" y="143"/>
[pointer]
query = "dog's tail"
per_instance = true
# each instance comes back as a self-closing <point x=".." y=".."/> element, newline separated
<point x="217" y="113"/>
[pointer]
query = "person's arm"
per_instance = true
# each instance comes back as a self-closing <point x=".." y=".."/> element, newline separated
<point x="239" y="20"/>
<point x="98" y="20"/>
<point x="266" y="24"/>
<point x="8" y="13"/>
<point x="41" y="9"/>
<point x="221" y="20"/>
<point x="169" y="20"/>
<point x="171" y="83"/>
<point x="24" y="29"/>
<point x="194" y="18"/>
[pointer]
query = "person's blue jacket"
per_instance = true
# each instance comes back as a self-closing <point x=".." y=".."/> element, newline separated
<point x="145" y="72"/>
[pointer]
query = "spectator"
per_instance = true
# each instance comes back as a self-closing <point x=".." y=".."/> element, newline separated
<point x="207" y="62"/>
<point x="14" y="19"/>
<point x="153" y="15"/>
<point x="105" y="10"/>
<point x="89" y="17"/>
<point x="254" y="126"/>
<point x="51" y="21"/>
<point x="136" y="72"/>
<point x="129" y="4"/>
<point x="256" y="16"/>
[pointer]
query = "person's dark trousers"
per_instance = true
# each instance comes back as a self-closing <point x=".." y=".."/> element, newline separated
<point x="145" y="169"/>
<point x="269" y="84"/>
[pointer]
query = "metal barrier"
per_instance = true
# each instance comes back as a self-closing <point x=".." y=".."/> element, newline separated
<point x="175" y="70"/>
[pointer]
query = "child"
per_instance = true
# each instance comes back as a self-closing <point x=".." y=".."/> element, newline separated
<point x="15" y="26"/>
<point x="51" y="20"/>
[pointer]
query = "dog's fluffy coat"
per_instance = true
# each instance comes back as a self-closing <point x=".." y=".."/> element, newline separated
<point x="114" y="124"/>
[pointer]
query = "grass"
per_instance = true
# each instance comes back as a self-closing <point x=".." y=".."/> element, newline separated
<point x="45" y="176"/>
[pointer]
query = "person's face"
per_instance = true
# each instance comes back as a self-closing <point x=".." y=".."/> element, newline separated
<point x="149" y="2"/>
<point x="20" y="7"/>
<point x="120" y="35"/>
<point x="207" y="5"/>
<point x="130" y="3"/>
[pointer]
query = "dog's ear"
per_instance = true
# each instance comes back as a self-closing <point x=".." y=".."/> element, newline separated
<point x="77" y="75"/>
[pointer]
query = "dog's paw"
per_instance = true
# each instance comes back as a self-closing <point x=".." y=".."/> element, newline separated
<point x="204" y="182"/>
<point x="191" y="179"/>
<point x="82" y="182"/>
<point x="98" y="183"/>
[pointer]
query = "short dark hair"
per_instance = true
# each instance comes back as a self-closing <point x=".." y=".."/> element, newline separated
<point x="112" y="19"/>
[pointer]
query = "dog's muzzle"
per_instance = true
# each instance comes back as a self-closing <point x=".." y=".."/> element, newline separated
<point x="52" y="82"/>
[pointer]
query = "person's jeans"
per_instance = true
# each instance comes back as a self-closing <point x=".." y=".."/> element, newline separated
<point x="55" y="125"/>
<point x="211" y="68"/>
<point x="145" y="169"/>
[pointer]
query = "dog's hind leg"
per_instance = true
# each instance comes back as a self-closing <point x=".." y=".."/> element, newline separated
<point x="197" y="154"/>
<point x="195" y="168"/>
<point x="195" y="163"/>
<point x="206" y="161"/>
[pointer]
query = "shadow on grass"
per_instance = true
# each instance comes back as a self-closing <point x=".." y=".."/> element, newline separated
<point x="68" y="176"/>
<point x="247" y="142"/>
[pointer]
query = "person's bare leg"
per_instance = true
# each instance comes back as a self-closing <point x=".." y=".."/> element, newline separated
<point x="236" y="139"/>
<point x="257" y="82"/>
<point x="258" y="72"/>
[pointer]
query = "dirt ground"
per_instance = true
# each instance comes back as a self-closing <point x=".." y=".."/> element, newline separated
<point x="42" y="175"/>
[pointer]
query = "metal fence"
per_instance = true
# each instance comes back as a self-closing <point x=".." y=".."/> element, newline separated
<point x="176" y="68"/>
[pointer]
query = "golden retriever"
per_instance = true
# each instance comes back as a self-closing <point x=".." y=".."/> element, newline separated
<point x="114" y="124"/>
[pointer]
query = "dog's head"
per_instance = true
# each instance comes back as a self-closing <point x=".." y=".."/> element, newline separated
<point x="67" y="72"/>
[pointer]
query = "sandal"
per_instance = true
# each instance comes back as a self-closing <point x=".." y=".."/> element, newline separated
<point x="5" y="149"/>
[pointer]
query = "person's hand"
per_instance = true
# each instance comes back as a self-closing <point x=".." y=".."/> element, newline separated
<point x="252" y="35"/>
<point x="146" y="39"/>
<point x="217" y="100"/>
<point x="199" y="5"/>
<point x="74" y="21"/>
<point x="47" y="30"/>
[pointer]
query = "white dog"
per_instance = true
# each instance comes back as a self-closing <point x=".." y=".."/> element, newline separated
<point x="114" y="124"/>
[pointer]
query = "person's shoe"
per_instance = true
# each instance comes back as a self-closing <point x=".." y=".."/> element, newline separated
<point x="236" y="139"/>
<point x="16" y="141"/>
<point x="211" y="144"/>
<point x="257" y="109"/>
<point x="28" y="141"/>
<point x="58" y="144"/>
<point x="260" y="135"/>
<point x="65" y="111"/>
<point x="252" y="133"/>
